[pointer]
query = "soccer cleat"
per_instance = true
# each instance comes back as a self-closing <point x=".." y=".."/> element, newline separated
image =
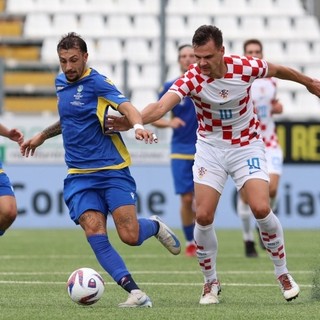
<point x="167" y="237"/>
<point x="137" y="299"/>
<point x="191" y="250"/>
<point x="288" y="286"/>
<point x="250" y="249"/>
<point x="210" y="292"/>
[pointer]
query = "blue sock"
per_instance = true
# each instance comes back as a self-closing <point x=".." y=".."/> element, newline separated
<point x="188" y="232"/>
<point x="147" y="229"/>
<point x="108" y="257"/>
<point x="2" y="232"/>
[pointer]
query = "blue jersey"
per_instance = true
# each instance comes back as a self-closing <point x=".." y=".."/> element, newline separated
<point x="184" y="138"/>
<point x="83" y="108"/>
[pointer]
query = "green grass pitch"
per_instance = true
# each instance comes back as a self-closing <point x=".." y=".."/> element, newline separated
<point x="35" y="265"/>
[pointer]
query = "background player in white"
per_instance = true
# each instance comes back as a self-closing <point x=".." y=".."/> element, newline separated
<point x="229" y="143"/>
<point x="184" y="123"/>
<point x="264" y="97"/>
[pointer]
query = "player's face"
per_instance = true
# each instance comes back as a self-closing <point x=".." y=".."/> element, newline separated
<point x="186" y="57"/>
<point x="73" y="63"/>
<point x="254" y="50"/>
<point x="210" y="59"/>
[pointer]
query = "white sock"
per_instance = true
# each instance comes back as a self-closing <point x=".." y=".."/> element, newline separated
<point x="245" y="214"/>
<point x="207" y="249"/>
<point x="272" y="236"/>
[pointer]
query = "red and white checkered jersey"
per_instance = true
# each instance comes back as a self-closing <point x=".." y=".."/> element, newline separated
<point x="226" y="116"/>
<point x="263" y="91"/>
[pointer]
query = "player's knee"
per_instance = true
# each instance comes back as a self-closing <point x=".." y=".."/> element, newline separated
<point x="204" y="218"/>
<point x="260" y="210"/>
<point x="129" y="236"/>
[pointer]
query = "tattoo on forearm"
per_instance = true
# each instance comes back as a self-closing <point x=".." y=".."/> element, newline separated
<point x="52" y="130"/>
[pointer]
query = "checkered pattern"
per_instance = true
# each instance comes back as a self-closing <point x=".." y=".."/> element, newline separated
<point x="263" y="91"/>
<point x="225" y="112"/>
<point x="277" y="252"/>
<point x="205" y="264"/>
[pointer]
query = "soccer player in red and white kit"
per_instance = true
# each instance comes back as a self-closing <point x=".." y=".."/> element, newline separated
<point x="229" y="143"/>
<point x="264" y="97"/>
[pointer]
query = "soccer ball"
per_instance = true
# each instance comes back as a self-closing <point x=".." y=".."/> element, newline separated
<point x="85" y="286"/>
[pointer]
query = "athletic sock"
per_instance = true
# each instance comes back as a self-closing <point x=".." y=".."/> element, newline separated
<point x="108" y="257"/>
<point x="207" y="249"/>
<point x="272" y="236"/>
<point x="188" y="232"/>
<point x="245" y="214"/>
<point x="127" y="283"/>
<point x="147" y="229"/>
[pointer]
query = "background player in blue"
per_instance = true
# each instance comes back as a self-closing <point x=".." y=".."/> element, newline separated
<point x="99" y="181"/>
<point x="184" y="123"/>
<point x="8" y="204"/>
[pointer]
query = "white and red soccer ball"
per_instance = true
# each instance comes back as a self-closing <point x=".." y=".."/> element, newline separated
<point x="85" y="286"/>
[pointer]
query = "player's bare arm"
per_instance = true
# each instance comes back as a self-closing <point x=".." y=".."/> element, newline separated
<point x="13" y="134"/>
<point x="28" y="147"/>
<point x="286" y="73"/>
<point x="152" y="112"/>
<point x="135" y="121"/>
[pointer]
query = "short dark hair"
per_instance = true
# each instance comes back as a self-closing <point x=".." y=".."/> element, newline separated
<point x="71" y="41"/>
<point x="182" y="46"/>
<point x="252" y="41"/>
<point x="206" y="33"/>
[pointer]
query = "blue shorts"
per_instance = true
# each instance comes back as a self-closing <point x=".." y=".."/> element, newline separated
<point x="182" y="175"/>
<point x="102" y="191"/>
<point x="5" y="185"/>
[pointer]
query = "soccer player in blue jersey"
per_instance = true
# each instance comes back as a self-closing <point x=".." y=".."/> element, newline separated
<point x="184" y="123"/>
<point x="99" y="181"/>
<point x="8" y="204"/>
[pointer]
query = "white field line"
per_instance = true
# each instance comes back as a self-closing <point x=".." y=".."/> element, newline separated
<point x="135" y="256"/>
<point x="169" y="272"/>
<point x="172" y="284"/>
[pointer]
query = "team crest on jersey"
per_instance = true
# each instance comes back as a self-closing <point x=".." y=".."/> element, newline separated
<point x="201" y="172"/>
<point x="224" y="93"/>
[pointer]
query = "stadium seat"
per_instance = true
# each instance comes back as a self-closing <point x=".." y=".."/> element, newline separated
<point x="20" y="7"/>
<point x="37" y="25"/>
<point x="91" y="25"/>
<point x="290" y="9"/>
<point x="307" y="104"/>
<point x="298" y="51"/>
<point x="109" y="50"/>
<point x="274" y="51"/>
<point x="207" y="7"/>
<point x="106" y="7"/>
<point x="48" y="52"/>
<point x="140" y="51"/>
<point x="48" y="6"/>
<point x="195" y="21"/>
<point x="232" y="7"/>
<point x="119" y="26"/>
<point x="78" y="6"/>
<point x="260" y="8"/>
<point x="63" y="23"/>
<point x="279" y="27"/>
<point x="253" y="26"/>
<point x="176" y="27"/>
<point x="307" y="28"/>
<point x="229" y="26"/>
<point x="146" y="26"/>
<point x="180" y="7"/>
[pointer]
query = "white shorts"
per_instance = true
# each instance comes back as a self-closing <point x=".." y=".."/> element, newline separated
<point x="274" y="160"/>
<point x="212" y="165"/>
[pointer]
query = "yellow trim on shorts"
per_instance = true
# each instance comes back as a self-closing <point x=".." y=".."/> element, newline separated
<point x="182" y="156"/>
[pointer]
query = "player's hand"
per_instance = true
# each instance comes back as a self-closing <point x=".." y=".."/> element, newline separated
<point x="314" y="87"/>
<point x="177" y="122"/>
<point x="146" y="135"/>
<point x="16" y="135"/>
<point x="116" y="123"/>
<point x="28" y="147"/>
